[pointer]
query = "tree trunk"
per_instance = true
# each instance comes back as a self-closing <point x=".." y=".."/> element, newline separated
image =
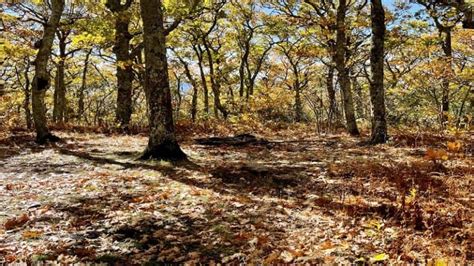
<point x="80" y="112"/>
<point x="41" y="80"/>
<point x="215" y="84"/>
<point x="242" y="75"/>
<point x="179" y="98"/>
<point x="124" y="72"/>
<point x="377" y="96"/>
<point x="27" y="95"/>
<point x="342" y="71"/>
<point x="448" y="53"/>
<point x="162" y="143"/>
<point x="205" y="90"/>
<point x="331" y="95"/>
<point x="59" y="109"/>
<point x="193" y="82"/>
<point x="298" y="104"/>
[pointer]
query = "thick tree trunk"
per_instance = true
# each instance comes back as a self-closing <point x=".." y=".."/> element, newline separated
<point x="80" y="112"/>
<point x="377" y="95"/>
<point x="124" y="72"/>
<point x="342" y="71"/>
<point x="41" y="80"/>
<point x="162" y="143"/>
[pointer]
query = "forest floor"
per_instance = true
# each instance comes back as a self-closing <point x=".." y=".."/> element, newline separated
<point x="300" y="198"/>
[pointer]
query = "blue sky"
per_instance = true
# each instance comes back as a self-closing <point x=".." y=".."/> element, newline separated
<point x="391" y="4"/>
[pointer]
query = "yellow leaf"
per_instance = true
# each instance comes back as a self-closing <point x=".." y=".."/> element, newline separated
<point x="379" y="257"/>
<point x="412" y="196"/>
<point x="441" y="262"/>
<point x="31" y="234"/>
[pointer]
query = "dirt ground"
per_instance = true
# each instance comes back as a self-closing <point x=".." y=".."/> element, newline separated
<point x="298" y="198"/>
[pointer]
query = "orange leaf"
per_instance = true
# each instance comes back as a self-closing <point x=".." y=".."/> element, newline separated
<point x="326" y="245"/>
<point x="454" y="146"/>
<point x="435" y="154"/>
<point x="31" y="234"/>
<point x="16" y="222"/>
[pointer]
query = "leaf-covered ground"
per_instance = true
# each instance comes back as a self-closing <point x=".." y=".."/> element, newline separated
<point x="299" y="198"/>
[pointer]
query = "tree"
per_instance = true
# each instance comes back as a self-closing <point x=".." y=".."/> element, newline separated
<point x="124" y="61"/>
<point x="192" y="80"/>
<point x="41" y="80"/>
<point x="342" y="70"/>
<point x="377" y="95"/>
<point x="162" y="143"/>
<point x="445" y="18"/>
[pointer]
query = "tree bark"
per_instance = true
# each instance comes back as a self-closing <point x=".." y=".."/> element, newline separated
<point x="331" y="95"/>
<point x="41" y="80"/>
<point x="215" y="84"/>
<point x="60" y="104"/>
<point x="27" y="94"/>
<point x="162" y="143"/>
<point x="193" y="82"/>
<point x="80" y="112"/>
<point x="124" y="72"/>
<point x="448" y="53"/>
<point x="298" y="104"/>
<point x="199" y="53"/>
<point x="243" y="62"/>
<point x="377" y="95"/>
<point x="342" y="71"/>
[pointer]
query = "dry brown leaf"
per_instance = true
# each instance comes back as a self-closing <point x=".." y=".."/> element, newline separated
<point x="16" y="222"/>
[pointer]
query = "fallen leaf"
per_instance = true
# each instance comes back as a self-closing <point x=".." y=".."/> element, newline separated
<point x="454" y="146"/>
<point x="16" y="222"/>
<point x="31" y="234"/>
<point x="379" y="257"/>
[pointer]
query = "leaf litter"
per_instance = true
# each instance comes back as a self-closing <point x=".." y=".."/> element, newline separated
<point x="304" y="199"/>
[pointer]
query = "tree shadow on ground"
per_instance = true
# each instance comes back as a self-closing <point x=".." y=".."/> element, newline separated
<point x="251" y="182"/>
<point x="165" y="236"/>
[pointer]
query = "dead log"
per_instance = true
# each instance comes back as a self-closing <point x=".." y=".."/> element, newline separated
<point x="237" y="140"/>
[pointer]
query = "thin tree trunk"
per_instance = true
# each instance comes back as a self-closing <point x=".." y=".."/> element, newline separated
<point x="83" y="88"/>
<point x="377" y="95"/>
<point x="178" y="96"/>
<point x="205" y="89"/>
<point x="331" y="96"/>
<point x="461" y="109"/>
<point x="242" y="76"/>
<point x="448" y="53"/>
<point x="215" y="84"/>
<point x="60" y="104"/>
<point x="298" y="104"/>
<point x="41" y="80"/>
<point x="342" y="71"/>
<point x="27" y="96"/>
<point x="193" y="82"/>
<point x="162" y="143"/>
